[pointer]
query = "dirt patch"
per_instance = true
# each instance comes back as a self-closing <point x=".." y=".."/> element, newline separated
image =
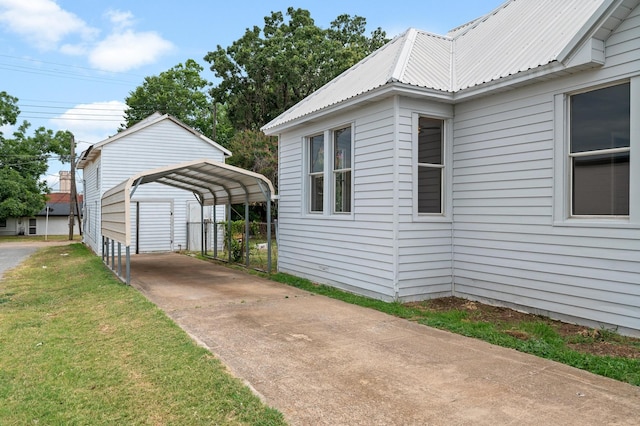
<point x="579" y="338"/>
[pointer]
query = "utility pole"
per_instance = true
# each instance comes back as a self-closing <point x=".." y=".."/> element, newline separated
<point x="72" y="196"/>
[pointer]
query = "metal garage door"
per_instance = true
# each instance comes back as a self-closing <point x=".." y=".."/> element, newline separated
<point x="152" y="226"/>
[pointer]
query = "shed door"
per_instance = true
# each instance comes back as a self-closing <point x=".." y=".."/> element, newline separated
<point x="152" y="226"/>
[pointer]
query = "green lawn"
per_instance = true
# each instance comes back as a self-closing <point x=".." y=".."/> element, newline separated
<point x="78" y="347"/>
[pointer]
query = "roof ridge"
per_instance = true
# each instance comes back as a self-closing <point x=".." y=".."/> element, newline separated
<point x="404" y="54"/>
<point x="474" y="23"/>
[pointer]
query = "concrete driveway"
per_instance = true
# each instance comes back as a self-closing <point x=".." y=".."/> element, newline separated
<point x="322" y="361"/>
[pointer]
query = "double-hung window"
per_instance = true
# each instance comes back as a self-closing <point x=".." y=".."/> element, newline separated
<point x="329" y="183"/>
<point x="342" y="170"/>
<point x="430" y="165"/>
<point x="600" y="151"/>
<point x="316" y="173"/>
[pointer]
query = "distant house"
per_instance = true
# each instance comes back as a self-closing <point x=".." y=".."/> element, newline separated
<point x="51" y="220"/>
<point x="159" y="213"/>
<point x="499" y="162"/>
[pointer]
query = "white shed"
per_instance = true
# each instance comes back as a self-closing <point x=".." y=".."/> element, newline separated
<point x="160" y="214"/>
<point x="499" y="162"/>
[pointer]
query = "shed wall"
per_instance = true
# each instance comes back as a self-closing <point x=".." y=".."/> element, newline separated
<point x="161" y="144"/>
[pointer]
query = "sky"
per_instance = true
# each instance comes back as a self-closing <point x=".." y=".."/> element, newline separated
<point x="72" y="63"/>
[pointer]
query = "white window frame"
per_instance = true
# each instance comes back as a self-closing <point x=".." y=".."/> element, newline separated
<point x="329" y="175"/>
<point x="335" y="171"/>
<point x="562" y="208"/>
<point x="309" y="174"/>
<point x="446" y="197"/>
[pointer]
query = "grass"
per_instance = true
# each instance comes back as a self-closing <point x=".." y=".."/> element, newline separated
<point x="535" y="337"/>
<point x="78" y="347"/>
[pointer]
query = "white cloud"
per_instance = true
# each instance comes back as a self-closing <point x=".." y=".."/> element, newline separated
<point x="128" y="50"/>
<point x="120" y="19"/>
<point x="42" y="22"/>
<point x="91" y="123"/>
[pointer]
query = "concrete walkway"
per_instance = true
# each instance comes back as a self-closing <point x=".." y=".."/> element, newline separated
<point x="322" y="361"/>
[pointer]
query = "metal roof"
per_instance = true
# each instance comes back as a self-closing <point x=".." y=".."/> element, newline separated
<point x="517" y="37"/>
<point x="214" y="183"/>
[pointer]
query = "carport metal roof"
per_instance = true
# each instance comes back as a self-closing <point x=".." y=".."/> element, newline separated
<point x="214" y="183"/>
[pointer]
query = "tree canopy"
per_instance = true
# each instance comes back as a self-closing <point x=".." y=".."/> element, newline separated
<point x="180" y="91"/>
<point x="23" y="160"/>
<point x="268" y="70"/>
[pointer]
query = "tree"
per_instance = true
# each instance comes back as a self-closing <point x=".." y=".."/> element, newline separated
<point x="253" y="150"/>
<point x="267" y="71"/>
<point x="271" y="69"/>
<point x="180" y="92"/>
<point x="23" y="160"/>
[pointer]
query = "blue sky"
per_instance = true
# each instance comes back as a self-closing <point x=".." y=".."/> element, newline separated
<point x="71" y="63"/>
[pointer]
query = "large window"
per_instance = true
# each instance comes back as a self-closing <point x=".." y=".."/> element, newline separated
<point x="3" y="223"/>
<point x="430" y="165"/>
<point x="316" y="173"/>
<point x="342" y="170"/>
<point x="329" y="183"/>
<point x="600" y="152"/>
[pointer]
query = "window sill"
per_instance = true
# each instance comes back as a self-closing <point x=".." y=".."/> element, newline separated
<point x="431" y="218"/>
<point x="597" y="223"/>
<point x="334" y="216"/>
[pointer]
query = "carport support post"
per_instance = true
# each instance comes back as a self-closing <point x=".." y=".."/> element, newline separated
<point x="229" y="236"/>
<point x="128" y="264"/>
<point x="268" y="232"/>
<point x="102" y="248"/>
<point x="246" y="231"/>
<point x="203" y="246"/>
<point x="106" y="250"/>
<point x="119" y="259"/>
<point x="215" y="232"/>
<point x="113" y="255"/>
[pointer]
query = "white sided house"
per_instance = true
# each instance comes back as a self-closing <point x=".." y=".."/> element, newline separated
<point x="499" y="162"/>
<point x="159" y="213"/>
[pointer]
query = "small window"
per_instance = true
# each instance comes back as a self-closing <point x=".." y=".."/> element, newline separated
<point x="98" y="177"/>
<point x="3" y="223"/>
<point x="32" y="227"/>
<point x="316" y="173"/>
<point x="600" y="152"/>
<point x="342" y="169"/>
<point x="430" y="165"/>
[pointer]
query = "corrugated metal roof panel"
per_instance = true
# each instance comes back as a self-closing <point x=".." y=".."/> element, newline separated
<point x="373" y="71"/>
<point x="430" y="63"/>
<point x="518" y="36"/>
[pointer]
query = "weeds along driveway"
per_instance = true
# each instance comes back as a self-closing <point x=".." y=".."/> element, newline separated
<point x="322" y="361"/>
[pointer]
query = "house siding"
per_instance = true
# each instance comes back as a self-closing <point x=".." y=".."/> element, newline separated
<point x="160" y="144"/>
<point x="508" y="246"/>
<point x="424" y="242"/>
<point x="353" y="252"/>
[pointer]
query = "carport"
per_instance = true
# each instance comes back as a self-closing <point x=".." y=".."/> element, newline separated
<point x="211" y="182"/>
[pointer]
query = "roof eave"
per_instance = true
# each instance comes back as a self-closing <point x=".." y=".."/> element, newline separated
<point x="387" y="90"/>
<point x="522" y="78"/>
